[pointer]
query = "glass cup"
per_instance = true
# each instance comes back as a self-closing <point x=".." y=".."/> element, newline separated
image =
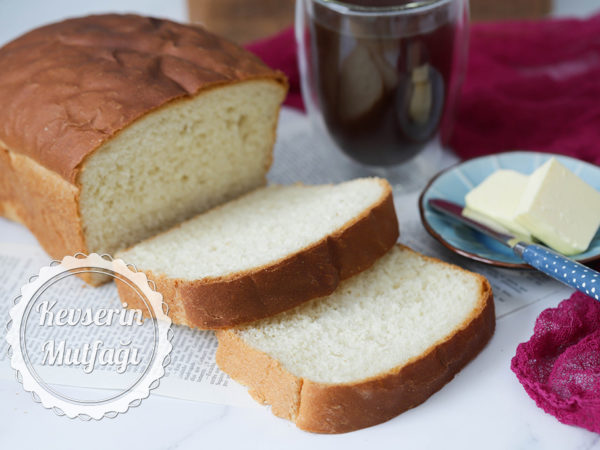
<point x="380" y="77"/>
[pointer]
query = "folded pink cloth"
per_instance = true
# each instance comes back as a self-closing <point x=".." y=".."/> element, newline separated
<point x="559" y="366"/>
<point x="530" y="85"/>
<point x="279" y="52"/>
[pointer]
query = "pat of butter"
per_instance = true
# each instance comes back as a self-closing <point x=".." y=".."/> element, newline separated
<point x="497" y="198"/>
<point x="559" y="208"/>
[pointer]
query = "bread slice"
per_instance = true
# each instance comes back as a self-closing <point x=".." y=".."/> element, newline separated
<point x="382" y="343"/>
<point x="267" y="251"/>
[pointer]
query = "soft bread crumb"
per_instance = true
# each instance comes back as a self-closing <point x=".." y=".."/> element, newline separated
<point x="178" y="161"/>
<point x="374" y="322"/>
<point x="255" y="230"/>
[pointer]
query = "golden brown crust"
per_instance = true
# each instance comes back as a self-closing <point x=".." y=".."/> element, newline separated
<point x="315" y="271"/>
<point x="339" y="408"/>
<point x="45" y="203"/>
<point x="68" y="87"/>
<point x="268" y="382"/>
<point x="25" y="193"/>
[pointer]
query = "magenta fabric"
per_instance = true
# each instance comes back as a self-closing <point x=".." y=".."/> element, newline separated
<point x="530" y="85"/>
<point x="279" y="52"/>
<point x="559" y="366"/>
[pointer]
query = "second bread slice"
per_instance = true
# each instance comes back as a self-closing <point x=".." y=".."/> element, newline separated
<point x="382" y="343"/>
<point x="267" y="251"/>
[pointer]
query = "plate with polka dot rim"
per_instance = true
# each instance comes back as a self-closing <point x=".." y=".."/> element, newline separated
<point x="455" y="182"/>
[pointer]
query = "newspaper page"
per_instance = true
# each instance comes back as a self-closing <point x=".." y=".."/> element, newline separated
<point x="192" y="373"/>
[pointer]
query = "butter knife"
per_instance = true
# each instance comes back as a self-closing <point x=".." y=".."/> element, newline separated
<point x="551" y="263"/>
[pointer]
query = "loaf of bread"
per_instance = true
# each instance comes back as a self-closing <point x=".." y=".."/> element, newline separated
<point x="115" y="127"/>
<point x="382" y="343"/>
<point x="266" y="251"/>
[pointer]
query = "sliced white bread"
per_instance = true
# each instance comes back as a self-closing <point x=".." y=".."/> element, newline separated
<point x="382" y="343"/>
<point x="267" y="251"/>
<point x="117" y="127"/>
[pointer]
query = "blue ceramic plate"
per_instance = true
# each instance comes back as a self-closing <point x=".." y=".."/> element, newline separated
<point x="454" y="183"/>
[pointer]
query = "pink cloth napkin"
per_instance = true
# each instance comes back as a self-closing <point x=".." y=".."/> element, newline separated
<point x="559" y="366"/>
<point x="532" y="86"/>
<point x="279" y="52"/>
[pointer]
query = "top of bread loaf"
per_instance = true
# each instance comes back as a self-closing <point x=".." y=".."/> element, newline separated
<point x="68" y="87"/>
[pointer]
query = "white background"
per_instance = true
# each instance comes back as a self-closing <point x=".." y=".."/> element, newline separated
<point x="484" y="407"/>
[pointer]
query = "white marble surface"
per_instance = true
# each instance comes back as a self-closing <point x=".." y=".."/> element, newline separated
<point x="483" y="407"/>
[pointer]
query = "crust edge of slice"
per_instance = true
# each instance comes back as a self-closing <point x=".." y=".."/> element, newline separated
<point x="314" y="271"/>
<point x="339" y="408"/>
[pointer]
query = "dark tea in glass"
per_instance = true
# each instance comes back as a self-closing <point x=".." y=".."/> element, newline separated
<point x="380" y="76"/>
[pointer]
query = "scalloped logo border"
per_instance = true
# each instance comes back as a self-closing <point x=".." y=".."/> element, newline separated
<point x="129" y="398"/>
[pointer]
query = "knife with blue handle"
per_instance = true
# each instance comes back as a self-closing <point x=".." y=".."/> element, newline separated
<point x="551" y="263"/>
